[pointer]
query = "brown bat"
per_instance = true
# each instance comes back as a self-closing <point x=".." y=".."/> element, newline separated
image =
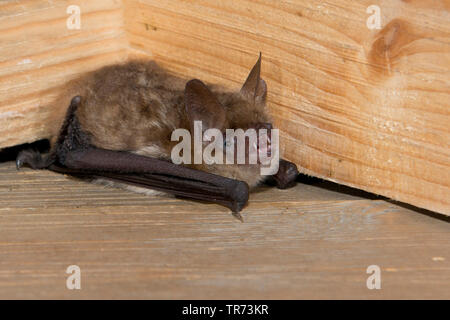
<point x="118" y="127"/>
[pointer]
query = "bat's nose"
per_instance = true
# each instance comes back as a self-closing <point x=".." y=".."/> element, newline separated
<point x="264" y="125"/>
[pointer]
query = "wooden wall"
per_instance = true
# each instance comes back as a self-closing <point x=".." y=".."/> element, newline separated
<point x="365" y="108"/>
<point x="38" y="54"/>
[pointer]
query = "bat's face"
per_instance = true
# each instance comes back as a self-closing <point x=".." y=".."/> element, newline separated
<point x="248" y="126"/>
<point x="242" y="129"/>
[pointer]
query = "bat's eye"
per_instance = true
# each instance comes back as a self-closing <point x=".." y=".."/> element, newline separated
<point x="227" y="144"/>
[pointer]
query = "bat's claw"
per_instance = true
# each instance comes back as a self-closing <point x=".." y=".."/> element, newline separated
<point x="24" y="157"/>
<point x="31" y="158"/>
<point x="238" y="216"/>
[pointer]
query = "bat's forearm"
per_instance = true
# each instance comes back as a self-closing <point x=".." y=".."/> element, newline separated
<point x="156" y="174"/>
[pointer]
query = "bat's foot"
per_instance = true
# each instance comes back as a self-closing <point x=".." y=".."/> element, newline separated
<point x="286" y="176"/>
<point x="33" y="159"/>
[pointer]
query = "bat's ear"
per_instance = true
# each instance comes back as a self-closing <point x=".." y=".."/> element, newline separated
<point x="202" y="105"/>
<point x="255" y="88"/>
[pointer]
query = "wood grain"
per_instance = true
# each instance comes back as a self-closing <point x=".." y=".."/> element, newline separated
<point x="38" y="55"/>
<point x="365" y="108"/>
<point x="307" y="242"/>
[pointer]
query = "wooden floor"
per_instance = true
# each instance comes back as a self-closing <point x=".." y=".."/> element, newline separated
<point x="313" y="241"/>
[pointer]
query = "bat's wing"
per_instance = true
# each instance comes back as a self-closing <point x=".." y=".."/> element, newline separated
<point x="154" y="174"/>
<point x="73" y="154"/>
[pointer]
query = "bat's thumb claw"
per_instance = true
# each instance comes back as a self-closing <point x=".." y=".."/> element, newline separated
<point x="238" y="216"/>
<point x="31" y="158"/>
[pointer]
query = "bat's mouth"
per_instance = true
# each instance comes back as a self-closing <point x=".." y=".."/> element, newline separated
<point x="264" y="145"/>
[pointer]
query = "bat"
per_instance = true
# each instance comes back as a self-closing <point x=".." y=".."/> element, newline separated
<point x="119" y="124"/>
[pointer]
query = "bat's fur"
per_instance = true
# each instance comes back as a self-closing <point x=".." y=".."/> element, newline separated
<point x="135" y="107"/>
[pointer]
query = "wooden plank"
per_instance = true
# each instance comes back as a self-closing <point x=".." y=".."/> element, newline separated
<point x="365" y="108"/>
<point x="306" y="242"/>
<point x="39" y="54"/>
